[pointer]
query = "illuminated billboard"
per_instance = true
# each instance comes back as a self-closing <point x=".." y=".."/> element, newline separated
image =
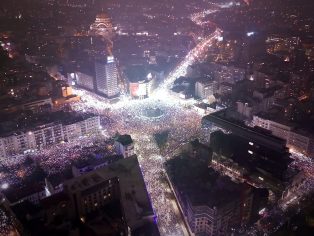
<point x="138" y="89"/>
<point x="142" y="90"/>
<point x="133" y="89"/>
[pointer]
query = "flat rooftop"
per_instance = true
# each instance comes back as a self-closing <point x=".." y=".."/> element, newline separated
<point x="131" y="183"/>
<point x="304" y="126"/>
<point x="31" y="123"/>
<point x="224" y="120"/>
<point x="200" y="184"/>
<point x="125" y="139"/>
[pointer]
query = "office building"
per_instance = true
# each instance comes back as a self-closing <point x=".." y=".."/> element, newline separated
<point x="248" y="158"/>
<point x="107" y="77"/>
<point x="225" y="120"/>
<point x="244" y="108"/>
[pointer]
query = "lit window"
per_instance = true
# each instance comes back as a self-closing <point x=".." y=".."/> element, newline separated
<point x="249" y="151"/>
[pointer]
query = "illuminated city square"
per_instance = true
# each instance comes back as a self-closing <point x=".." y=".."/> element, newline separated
<point x="157" y="118"/>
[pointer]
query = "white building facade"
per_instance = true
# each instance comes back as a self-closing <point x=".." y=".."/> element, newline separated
<point x="297" y="140"/>
<point x="45" y="135"/>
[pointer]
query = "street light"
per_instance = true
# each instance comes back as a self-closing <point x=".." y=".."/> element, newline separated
<point x="4" y="186"/>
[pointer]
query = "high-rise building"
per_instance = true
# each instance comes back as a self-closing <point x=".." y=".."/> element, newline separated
<point x="107" y="77"/>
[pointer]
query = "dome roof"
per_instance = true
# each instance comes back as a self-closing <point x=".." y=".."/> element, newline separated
<point x="102" y="15"/>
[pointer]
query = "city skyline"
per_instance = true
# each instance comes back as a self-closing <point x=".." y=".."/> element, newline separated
<point x="156" y="117"/>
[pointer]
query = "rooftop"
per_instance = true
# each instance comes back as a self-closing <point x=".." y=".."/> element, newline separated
<point x="252" y="156"/>
<point x="125" y="139"/>
<point x="304" y="126"/>
<point x="28" y="123"/>
<point x="16" y="193"/>
<point x="131" y="183"/>
<point x="225" y="120"/>
<point x="97" y="161"/>
<point x="200" y="184"/>
<point x="54" y="199"/>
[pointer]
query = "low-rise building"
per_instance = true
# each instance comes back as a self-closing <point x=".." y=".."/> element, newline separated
<point x="109" y="200"/>
<point x="297" y="138"/>
<point x="33" y="193"/>
<point x="225" y="88"/>
<point x="124" y="145"/>
<point x="35" y="105"/>
<point x="93" y="164"/>
<point x="211" y="204"/>
<point x="205" y="88"/>
<point x="84" y="80"/>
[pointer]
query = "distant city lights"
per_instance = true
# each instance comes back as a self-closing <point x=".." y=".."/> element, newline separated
<point x="250" y="34"/>
<point x="4" y="186"/>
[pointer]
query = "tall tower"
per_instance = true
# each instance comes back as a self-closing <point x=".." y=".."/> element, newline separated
<point x="107" y="77"/>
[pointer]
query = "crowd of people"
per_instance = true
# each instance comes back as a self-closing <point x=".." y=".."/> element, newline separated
<point x="54" y="159"/>
<point x="180" y="120"/>
<point x="182" y="124"/>
<point x="6" y="223"/>
<point x="152" y="166"/>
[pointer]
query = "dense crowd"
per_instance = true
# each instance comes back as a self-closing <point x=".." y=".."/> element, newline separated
<point x="6" y="223"/>
<point x="52" y="160"/>
<point x="178" y="118"/>
<point x="181" y="122"/>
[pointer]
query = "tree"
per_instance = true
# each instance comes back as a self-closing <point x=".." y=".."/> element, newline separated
<point x="39" y="174"/>
<point x="28" y="161"/>
<point x="161" y="139"/>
